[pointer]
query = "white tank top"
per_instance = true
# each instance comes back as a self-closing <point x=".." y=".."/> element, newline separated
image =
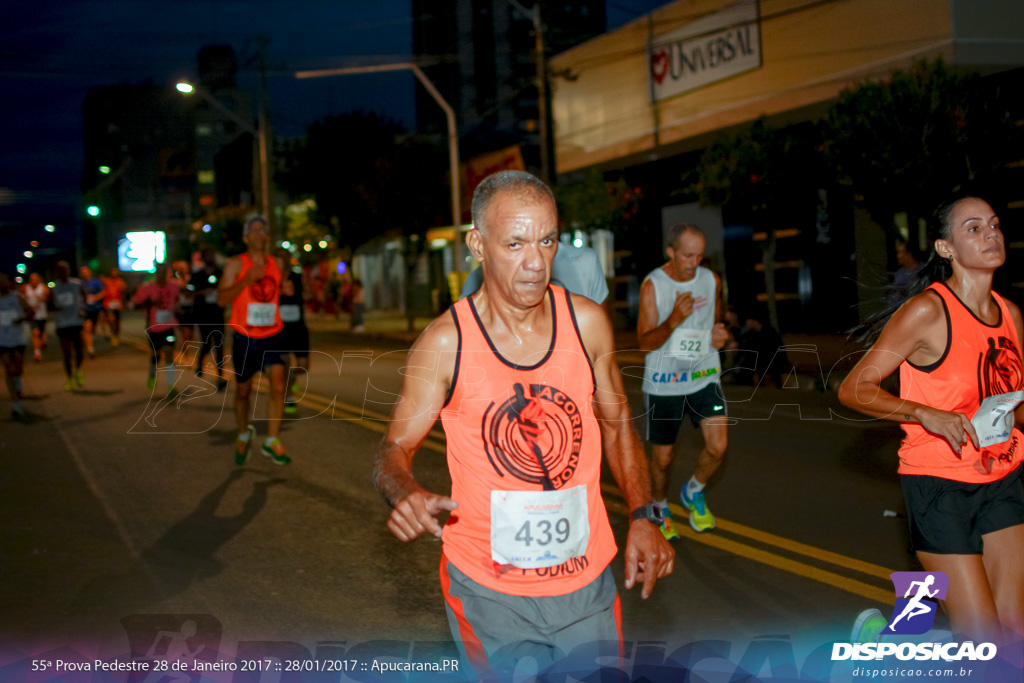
<point x="686" y="362"/>
<point x="36" y="297"/>
<point x="12" y="329"/>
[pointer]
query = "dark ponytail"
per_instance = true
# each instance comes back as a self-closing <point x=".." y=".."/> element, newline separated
<point x="935" y="269"/>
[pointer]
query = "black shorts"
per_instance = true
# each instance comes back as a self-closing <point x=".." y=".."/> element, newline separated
<point x="251" y="355"/>
<point x="187" y="317"/>
<point x="949" y="517"/>
<point x="158" y="340"/>
<point x="665" y="414"/>
<point x="40" y="325"/>
<point x="20" y="349"/>
<point x="93" y="316"/>
<point x="71" y="333"/>
<point x="295" y="339"/>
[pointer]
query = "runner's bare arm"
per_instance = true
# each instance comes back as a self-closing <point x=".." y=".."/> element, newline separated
<point x="719" y="333"/>
<point x="428" y="375"/>
<point x="230" y="286"/>
<point x="649" y="557"/>
<point x="916" y="332"/>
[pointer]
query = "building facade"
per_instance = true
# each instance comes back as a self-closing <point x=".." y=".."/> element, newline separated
<point x="646" y="100"/>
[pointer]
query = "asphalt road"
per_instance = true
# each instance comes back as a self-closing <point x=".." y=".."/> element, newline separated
<point x="125" y="516"/>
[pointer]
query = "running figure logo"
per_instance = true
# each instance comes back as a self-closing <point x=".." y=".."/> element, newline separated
<point x="536" y="436"/>
<point x="1000" y="369"/>
<point x="914" y="613"/>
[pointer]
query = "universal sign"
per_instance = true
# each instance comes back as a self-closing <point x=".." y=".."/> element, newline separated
<point x="711" y="49"/>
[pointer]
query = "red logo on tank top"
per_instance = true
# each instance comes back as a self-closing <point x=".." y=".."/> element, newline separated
<point x="264" y="291"/>
<point x="999" y="368"/>
<point x="535" y="438"/>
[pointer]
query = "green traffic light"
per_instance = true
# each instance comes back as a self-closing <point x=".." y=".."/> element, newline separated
<point x="93" y="210"/>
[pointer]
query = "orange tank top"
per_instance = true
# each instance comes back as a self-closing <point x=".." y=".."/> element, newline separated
<point x="524" y="452"/>
<point x="254" y="312"/>
<point x="980" y="360"/>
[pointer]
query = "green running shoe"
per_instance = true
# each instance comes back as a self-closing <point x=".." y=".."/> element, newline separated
<point x="275" y="451"/>
<point x="242" y="447"/>
<point x="869" y="625"/>
<point x="667" y="530"/>
<point x="701" y="518"/>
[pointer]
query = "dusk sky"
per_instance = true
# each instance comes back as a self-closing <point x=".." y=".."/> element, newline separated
<point x="53" y="52"/>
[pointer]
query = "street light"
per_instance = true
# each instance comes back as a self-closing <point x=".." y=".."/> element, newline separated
<point x="261" y="135"/>
<point x="453" y="138"/>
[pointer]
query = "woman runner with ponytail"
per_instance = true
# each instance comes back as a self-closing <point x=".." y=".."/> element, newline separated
<point x="957" y="345"/>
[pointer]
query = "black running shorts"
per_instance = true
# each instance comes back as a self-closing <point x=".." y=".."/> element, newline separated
<point x="252" y="354"/>
<point x="665" y="414"/>
<point x="952" y="517"/>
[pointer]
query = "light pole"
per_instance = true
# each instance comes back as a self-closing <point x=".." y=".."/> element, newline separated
<point x="453" y="138"/>
<point x="262" y="135"/>
<point x="540" y="65"/>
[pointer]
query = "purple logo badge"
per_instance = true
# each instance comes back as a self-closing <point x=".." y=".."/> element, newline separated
<point x="917" y="594"/>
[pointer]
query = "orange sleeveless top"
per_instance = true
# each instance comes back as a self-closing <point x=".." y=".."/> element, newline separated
<point x="980" y="360"/>
<point x="255" y="312"/>
<point x="522" y="428"/>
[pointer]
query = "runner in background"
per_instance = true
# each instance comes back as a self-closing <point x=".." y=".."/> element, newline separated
<point x="160" y="299"/>
<point x="68" y="300"/>
<point x="295" y="340"/>
<point x="38" y="296"/>
<point x="252" y="286"/>
<point x="113" y="302"/>
<point x="14" y="312"/>
<point x="209" y="315"/>
<point x="93" y="288"/>
<point x="358" y="321"/>
<point x="186" y="304"/>
<point x="680" y="330"/>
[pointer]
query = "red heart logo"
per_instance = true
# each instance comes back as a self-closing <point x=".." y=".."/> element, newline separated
<point x="659" y="65"/>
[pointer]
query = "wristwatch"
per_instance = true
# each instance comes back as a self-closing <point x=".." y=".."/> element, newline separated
<point x="651" y="512"/>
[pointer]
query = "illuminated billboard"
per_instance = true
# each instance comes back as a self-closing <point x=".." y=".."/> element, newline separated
<point x="141" y="251"/>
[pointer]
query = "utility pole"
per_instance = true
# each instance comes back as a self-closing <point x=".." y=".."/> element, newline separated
<point x="264" y="132"/>
<point x="542" y="86"/>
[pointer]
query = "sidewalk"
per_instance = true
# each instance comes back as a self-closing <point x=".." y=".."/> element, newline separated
<point x="814" y="355"/>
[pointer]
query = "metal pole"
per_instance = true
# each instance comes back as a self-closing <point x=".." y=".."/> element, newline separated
<point x="264" y="137"/>
<point x="540" y="65"/>
<point x="453" y="138"/>
<point x="542" y="95"/>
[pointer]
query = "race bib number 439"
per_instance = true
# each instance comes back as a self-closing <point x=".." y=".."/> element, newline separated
<point x="534" y="529"/>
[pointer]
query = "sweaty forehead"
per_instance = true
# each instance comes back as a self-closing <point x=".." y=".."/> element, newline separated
<point x="515" y="212"/>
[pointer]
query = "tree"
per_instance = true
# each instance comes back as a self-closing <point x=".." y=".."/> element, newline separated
<point x="907" y="143"/>
<point x="760" y="172"/>
<point x="593" y="204"/>
<point x="367" y="175"/>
